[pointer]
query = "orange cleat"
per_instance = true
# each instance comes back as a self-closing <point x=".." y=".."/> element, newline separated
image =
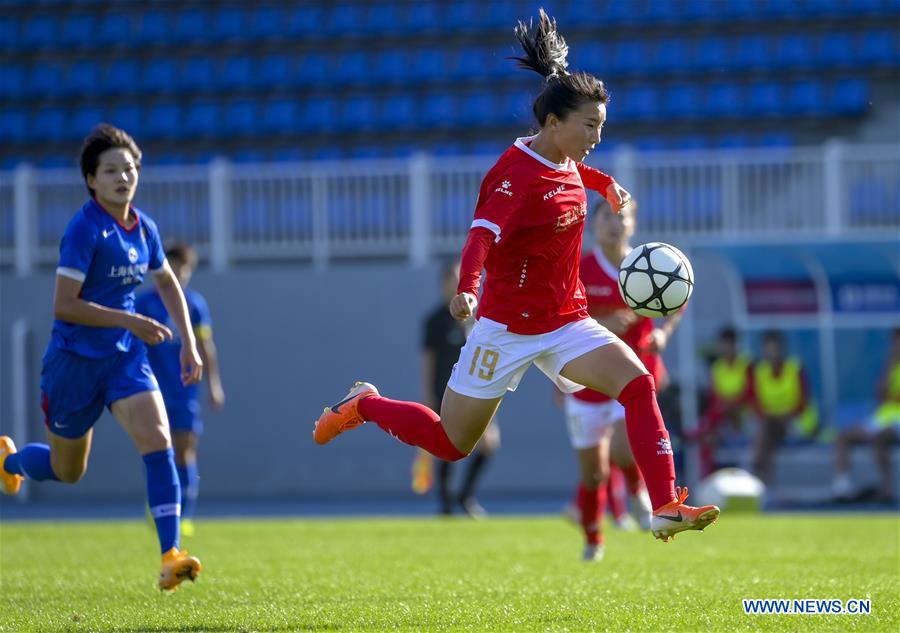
<point x="9" y="481"/>
<point x="344" y="415"/>
<point x="177" y="567"/>
<point x="675" y="517"/>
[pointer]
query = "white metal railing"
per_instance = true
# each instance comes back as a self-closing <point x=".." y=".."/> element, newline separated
<point x="422" y="206"/>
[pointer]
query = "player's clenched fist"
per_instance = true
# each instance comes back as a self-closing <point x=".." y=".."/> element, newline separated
<point x="617" y="196"/>
<point x="462" y="306"/>
<point x="149" y="330"/>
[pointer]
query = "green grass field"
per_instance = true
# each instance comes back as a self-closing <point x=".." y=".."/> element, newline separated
<point x="427" y="574"/>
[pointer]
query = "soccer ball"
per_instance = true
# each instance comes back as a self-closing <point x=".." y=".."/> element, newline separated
<point x="655" y="279"/>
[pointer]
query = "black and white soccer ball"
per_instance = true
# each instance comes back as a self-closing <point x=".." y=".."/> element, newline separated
<point x="655" y="279"/>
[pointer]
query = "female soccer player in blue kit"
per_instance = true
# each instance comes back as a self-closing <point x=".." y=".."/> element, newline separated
<point x="96" y="357"/>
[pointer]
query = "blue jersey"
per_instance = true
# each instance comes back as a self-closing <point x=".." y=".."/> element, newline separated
<point x="165" y="358"/>
<point x="110" y="261"/>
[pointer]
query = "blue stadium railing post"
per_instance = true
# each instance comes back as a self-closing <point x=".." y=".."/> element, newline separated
<point x="21" y="388"/>
<point x="24" y="213"/>
<point x="624" y="164"/>
<point x="835" y="193"/>
<point x="321" y="247"/>
<point x="220" y="233"/>
<point x="420" y="210"/>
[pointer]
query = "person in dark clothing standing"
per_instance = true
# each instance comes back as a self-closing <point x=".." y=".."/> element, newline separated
<point x="443" y="336"/>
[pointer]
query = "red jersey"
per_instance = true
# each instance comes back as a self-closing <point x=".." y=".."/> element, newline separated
<point x="599" y="276"/>
<point x="535" y="210"/>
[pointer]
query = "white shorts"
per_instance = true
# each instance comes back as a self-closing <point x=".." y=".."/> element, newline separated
<point x="493" y="360"/>
<point x="587" y="422"/>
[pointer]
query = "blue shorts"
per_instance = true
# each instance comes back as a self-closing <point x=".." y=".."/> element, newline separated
<point x="74" y="388"/>
<point x="184" y="415"/>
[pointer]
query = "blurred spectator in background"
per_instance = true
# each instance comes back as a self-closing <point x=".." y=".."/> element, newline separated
<point x="183" y="401"/>
<point x="443" y="337"/>
<point x="882" y="430"/>
<point x="779" y="393"/>
<point x="728" y="397"/>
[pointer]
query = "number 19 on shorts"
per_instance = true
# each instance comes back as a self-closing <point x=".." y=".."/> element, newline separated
<point x="488" y="363"/>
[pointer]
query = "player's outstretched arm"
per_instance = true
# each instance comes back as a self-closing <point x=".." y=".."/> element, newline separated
<point x="70" y="307"/>
<point x="173" y="298"/>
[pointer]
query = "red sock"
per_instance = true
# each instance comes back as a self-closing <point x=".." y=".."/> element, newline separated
<point x="632" y="477"/>
<point x="589" y="505"/>
<point x="615" y="492"/>
<point x="412" y="423"/>
<point x="649" y="439"/>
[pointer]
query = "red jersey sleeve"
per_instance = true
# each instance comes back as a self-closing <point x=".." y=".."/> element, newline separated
<point x="502" y="195"/>
<point x="594" y="178"/>
<point x="471" y="261"/>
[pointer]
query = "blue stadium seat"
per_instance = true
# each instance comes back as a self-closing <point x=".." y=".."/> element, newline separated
<point x="766" y="97"/>
<point x="736" y="140"/>
<point x="12" y="78"/>
<point x="691" y="141"/>
<point x="83" y="119"/>
<point x="191" y="25"/>
<point x="279" y="116"/>
<point x="45" y="80"/>
<point x="650" y="143"/>
<point x="235" y="73"/>
<point x="390" y="66"/>
<point x="781" y="9"/>
<point x="152" y="26"/>
<point x="591" y="56"/>
<point x="835" y="50"/>
<point x="56" y="161"/>
<point x="353" y="67"/>
<point x="39" y="31"/>
<point x="197" y="75"/>
<point x="741" y="9"/>
<point x="711" y="54"/>
<point x="794" y="51"/>
<point x="384" y="19"/>
<point x="662" y="12"/>
<point x="49" y="124"/>
<point x="202" y="119"/>
<point x="423" y="17"/>
<point x="228" y="24"/>
<point x="13" y="125"/>
<point x="9" y="32"/>
<point x="159" y="76"/>
<point x="274" y="71"/>
<point x="776" y="139"/>
<point x="515" y="107"/>
<point x="878" y="48"/>
<point x="328" y="152"/>
<point x="471" y="62"/>
<point x="359" y="112"/>
<point x="83" y="78"/>
<point x="849" y="96"/>
<point x="682" y="101"/>
<point x="318" y="114"/>
<point x="428" y="64"/>
<point x="120" y="77"/>
<point x="267" y="22"/>
<point x="290" y="155"/>
<point x="589" y="14"/>
<point x="806" y="96"/>
<point x="463" y="15"/>
<point x="671" y="55"/>
<point x="751" y="52"/>
<point x="630" y="56"/>
<point x="114" y="29"/>
<point x="641" y="102"/>
<point x="447" y="148"/>
<point x="163" y="120"/>
<point x="438" y="110"/>
<point x="824" y="8"/>
<point x="305" y="21"/>
<point x="479" y="108"/>
<point x="345" y="20"/>
<point x="723" y="100"/>
<point x="693" y="12"/>
<point x="128" y="117"/>
<point x="78" y="30"/>
<point x="502" y="14"/>
<point x="366" y="151"/>
<point x="314" y="69"/>
<point x="399" y="111"/>
<point x="240" y="118"/>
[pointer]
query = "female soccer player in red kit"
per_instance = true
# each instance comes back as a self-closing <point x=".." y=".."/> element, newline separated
<point x="527" y="234"/>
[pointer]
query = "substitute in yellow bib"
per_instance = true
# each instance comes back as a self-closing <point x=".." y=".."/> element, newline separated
<point x="779" y="393"/>
<point x="882" y="430"/>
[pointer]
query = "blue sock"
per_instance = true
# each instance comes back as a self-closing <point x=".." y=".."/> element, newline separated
<point x="163" y="493"/>
<point x="189" y="478"/>
<point x="32" y="462"/>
